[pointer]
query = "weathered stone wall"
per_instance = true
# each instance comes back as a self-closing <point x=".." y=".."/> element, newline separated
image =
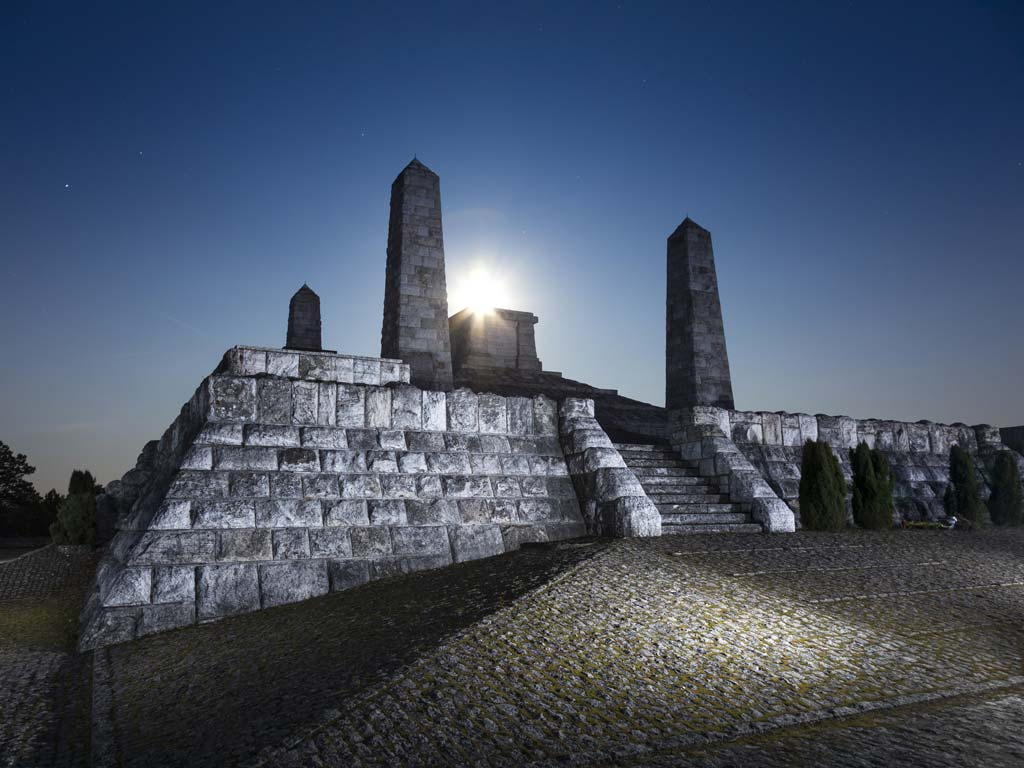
<point x="918" y="452"/>
<point x="696" y="360"/>
<point x="289" y="474"/>
<point x="501" y="338"/>
<point x="415" y="327"/>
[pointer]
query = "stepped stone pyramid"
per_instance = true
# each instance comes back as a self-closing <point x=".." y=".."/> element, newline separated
<point x="289" y="474"/>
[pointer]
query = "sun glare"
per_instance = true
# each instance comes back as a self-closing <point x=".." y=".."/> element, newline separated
<point x="480" y="290"/>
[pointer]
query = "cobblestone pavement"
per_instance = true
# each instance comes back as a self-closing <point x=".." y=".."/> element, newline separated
<point x="626" y="650"/>
<point x="44" y="685"/>
<point x="979" y="731"/>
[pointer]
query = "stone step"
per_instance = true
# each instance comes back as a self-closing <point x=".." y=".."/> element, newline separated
<point x="641" y="447"/>
<point x="683" y="495"/>
<point x="700" y="508"/>
<point x="670" y="530"/>
<point x="660" y="477"/>
<point x="663" y="471"/>
<point x="720" y="518"/>
<point x="689" y="499"/>
<point x="649" y="462"/>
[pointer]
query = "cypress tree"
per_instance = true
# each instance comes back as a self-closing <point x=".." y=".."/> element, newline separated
<point x="822" y="489"/>
<point x="963" y="497"/>
<point x="1004" y="505"/>
<point x="872" y="488"/>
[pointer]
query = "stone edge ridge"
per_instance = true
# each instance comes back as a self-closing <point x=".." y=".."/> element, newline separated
<point x="313" y="366"/>
<point x="612" y="500"/>
<point x="701" y="435"/>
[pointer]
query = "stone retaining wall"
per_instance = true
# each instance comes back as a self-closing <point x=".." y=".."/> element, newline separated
<point x="291" y="474"/>
<point x="918" y="452"/>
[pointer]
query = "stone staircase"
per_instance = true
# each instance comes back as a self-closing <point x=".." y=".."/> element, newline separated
<point x="688" y="502"/>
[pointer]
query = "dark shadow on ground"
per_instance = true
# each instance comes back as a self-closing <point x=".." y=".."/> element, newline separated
<point x="217" y="694"/>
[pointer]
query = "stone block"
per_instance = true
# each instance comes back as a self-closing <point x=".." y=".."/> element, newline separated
<point x="449" y="463"/>
<point x="509" y="488"/>
<point x="808" y="427"/>
<point x="226" y="590"/>
<point x="406" y="408"/>
<point x="289" y="513"/>
<point x="463" y="411"/>
<point x="197" y="457"/>
<point x="172" y="515"/>
<point x="305" y="402"/>
<point x="534" y="510"/>
<point x="520" y="415"/>
<point x="575" y="407"/>
<point x="174" y="548"/>
<point x="330" y="542"/>
<point x="220" y="433"/>
<point x="366" y="371"/>
<point x="629" y="517"/>
<point x="533" y="486"/>
<point x="493" y="414"/>
<point x="465" y="486"/>
<point x="436" y="512"/>
<point x="614" y="483"/>
<point x="350" y="406"/>
<point x="244" y="545"/>
<point x="485" y="464"/>
<point x="494" y="444"/>
<point x="597" y="458"/>
<point x="461" y="441"/>
<point x="299" y="460"/>
<point x="545" y="416"/>
<point x="175" y="583"/>
<point x="514" y="536"/>
<point x="218" y="514"/>
<point x="232" y="399"/>
<point x="372" y="541"/>
<point x="472" y="542"/>
<point x="324" y="437"/>
<point x="292" y="581"/>
<point x="360" y="487"/>
<point x="233" y="457"/>
<point x="126" y="586"/>
<point x="284" y="364"/>
<point x="345" y="513"/>
<point x="420" y="540"/>
<point x="363" y="439"/>
<point x="387" y="512"/>
<point x="392" y="371"/>
<point x="271" y="436"/>
<point x="582" y="439"/>
<point x="392" y="439"/>
<point x="193" y="484"/>
<point x="398" y="486"/>
<point x="285" y="485"/>
<point x="275" y="401"/>
<point x="412" y="462"/>
<point x="327" y="403"/>
<point x="345" y="574"/>
<point x="343" y="462"/>
<point x="771" y="424"/>
<point x="323" y="486"/>
<point x="429" y="487"/>
<point x="435" y="416"/>
<point x="515" y="465"/>
<point x="774" y="514"/>
<point x="378" y="408"/>
<point x="293" y="543"/>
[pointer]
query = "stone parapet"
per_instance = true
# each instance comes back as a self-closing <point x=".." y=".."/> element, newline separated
<point x="313" y="366"/>
<point x="701" y="434"/>
<point x="918" y="452"/>
<point x="612" y="499"/>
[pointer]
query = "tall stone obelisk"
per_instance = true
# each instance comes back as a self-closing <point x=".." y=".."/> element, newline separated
<point x="415" y="294"/>
<point x="696" y="361"/>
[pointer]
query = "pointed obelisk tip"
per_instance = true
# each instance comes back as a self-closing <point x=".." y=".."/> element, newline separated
<point x="416" y="166"/>
<point x="304" y="320"/>
<point x="688" y="225"/>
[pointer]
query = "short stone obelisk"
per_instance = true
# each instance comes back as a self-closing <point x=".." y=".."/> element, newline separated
<point x="696" y="361"/>
<point x="304" y="321"/>
<point x="415" y="294"/>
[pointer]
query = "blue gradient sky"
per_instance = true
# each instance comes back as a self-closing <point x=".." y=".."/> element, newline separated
<point x="170" y="175"/>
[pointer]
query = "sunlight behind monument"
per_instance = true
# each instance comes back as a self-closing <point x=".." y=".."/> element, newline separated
<point x="481" y="290"/>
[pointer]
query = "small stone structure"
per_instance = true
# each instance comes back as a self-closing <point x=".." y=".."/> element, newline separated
<point x="696" y="361"/>
<point x="304" y="321"/>
<point x="500" y="338"/>
<point x="415" y="293"/>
